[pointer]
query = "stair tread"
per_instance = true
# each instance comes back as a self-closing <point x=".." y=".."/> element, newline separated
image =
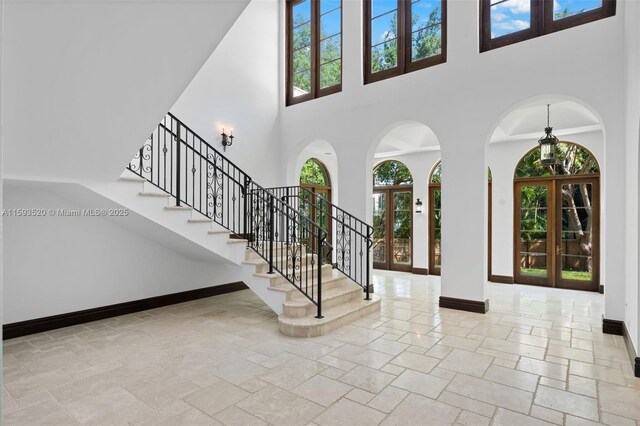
<point x="288" y="286"/>
<point x="331" y="314"/>
<point x="199" y="220"/>
<point x="219" y="231"/>
<point x="178" y="208"/>
<point x="135" y="179"/>
<point x="154" y="194"/>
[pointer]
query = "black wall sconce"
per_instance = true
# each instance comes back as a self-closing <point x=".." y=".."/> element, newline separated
<point x="418" y="206"/>
<point x="227" y="140"/>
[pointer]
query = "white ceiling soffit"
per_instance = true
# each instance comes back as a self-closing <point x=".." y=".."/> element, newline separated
<point x="406" y="139"/>
<point x="567" y="118"/>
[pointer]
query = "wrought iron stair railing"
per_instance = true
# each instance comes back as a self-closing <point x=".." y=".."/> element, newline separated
<point x="179" y="162"/>
<point x="349" y="239"/>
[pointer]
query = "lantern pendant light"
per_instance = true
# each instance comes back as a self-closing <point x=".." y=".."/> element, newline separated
<point x="548" y="145"/>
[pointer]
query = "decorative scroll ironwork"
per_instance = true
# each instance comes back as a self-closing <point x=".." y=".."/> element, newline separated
<point x="178" y="161"/>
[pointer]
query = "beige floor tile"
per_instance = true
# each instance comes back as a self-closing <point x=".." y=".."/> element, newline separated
<point x="528" y="339"/>
<point x="367" y="379"/>
<point x="510" y="377"/>
<point x="543" y="368"/>
<point x="102" y="406"/>
<point x="468" y="418"/>
<point x="593" y="371"/>
<point x="622" y="401"/>
<point x="415" y="362"/>
<point x="613" y="420"/>
<point x="514" y="348"/>
<point x="279" y="407"/>
<point x="234" y="416"/>
<point x="547" y="414"/>
<point x="460" y="343"/>
<point x="216" y="397"/>
<point x="491" y="393"/>
<point x="322" y="390"/>
<point x="393" y="369"/>
<point x="191" y="417"/>
<point x="582" y="385"/>
<point x="28" y="384"/>
<point x="46" y="413"/>
<point x="388" y="399"/>
<point x="421" y="340"/>
<point x="469" y="404"/>
<point x="567" y="402"/>
<point x="420" y="383"/>
<point x="553" y="383"/>
<point x="361" y="355"/>
<point x="418" y="410"/>
<point x="510" y="418"/>
<point x="360" y="396"/>
<point x="579" y="421"/>
<point x="570" y="353"/>
<point x="347" y="412"/>
<point x="471" y="363"/>
<point x="387" y="346"/>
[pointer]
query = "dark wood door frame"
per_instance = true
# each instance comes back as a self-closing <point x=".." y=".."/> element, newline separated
<point x="389" y="192"/>
<point x="554" y="231"/>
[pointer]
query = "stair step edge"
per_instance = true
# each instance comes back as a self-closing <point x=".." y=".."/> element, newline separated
<point x="154" y="194"/>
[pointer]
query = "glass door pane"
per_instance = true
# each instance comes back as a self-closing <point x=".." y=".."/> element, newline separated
<point x="436" y="236"/>
<point x="575" y="246"/>
<point x="380" y="228"/>
<point x="402" y="217"/>
<point x="533" y="233"/>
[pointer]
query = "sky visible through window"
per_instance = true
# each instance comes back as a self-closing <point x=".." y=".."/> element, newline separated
<point x="510" y="16"/>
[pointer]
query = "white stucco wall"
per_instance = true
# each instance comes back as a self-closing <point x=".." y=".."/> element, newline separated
<point x="55" y="264"/>
<point x="237" y="88"/>
<point x="462" y="101"/>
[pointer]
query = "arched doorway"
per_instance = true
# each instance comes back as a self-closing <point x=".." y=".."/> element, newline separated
<point x="314" y="177"/>
<point x="392" y="217"/>
<point x="435" y="219"/>
<point x="557" y="219"/>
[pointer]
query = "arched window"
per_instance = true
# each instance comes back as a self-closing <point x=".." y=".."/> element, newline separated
<point x="392" y="217"/>
<point x="314" y="173"/>
<point x="392" y="173"/>
<point x="573" y="159"/>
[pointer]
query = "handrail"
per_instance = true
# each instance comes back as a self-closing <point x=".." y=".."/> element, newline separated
<point x="354" y="238"/>
<point x="178" y="161"/>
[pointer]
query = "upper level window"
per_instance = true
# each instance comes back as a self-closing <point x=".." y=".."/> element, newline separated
<point x="401" y="36"/>
<point x="314" y="49"/>
<point x="504" y="22"/>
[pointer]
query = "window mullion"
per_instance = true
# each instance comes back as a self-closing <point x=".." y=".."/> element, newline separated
<point x="315" y="48"/>
<point x="402" y="35"/>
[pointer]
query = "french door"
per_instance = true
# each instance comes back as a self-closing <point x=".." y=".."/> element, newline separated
<point x="393" y="228"/>
<point x="557" y="232"/>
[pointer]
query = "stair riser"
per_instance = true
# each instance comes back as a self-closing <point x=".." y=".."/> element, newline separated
<point x="322" y="329"/>
<point x="326" y="286"/>
<point x="310" y="308"/>
<point x="277" y="252"/>
<point x="327" y="274"/>
<point x="264" y="267"/>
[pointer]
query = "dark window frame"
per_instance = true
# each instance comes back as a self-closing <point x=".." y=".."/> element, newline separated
<point x="316" y="90"/>
<point x="404" y="65"/>
<point x="542" y="22"/>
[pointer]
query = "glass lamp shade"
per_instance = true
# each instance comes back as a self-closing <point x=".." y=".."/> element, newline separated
<point x="548" y="148"/>
<point x="418" y="206"/>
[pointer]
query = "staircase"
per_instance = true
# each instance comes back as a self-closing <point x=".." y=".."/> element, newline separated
<point x="181" y="182"/>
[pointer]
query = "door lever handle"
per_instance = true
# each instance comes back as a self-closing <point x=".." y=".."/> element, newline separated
<point x="558" y="250"/>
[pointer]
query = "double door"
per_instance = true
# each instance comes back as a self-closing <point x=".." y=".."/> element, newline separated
<point x="557" y="238"/>
<point x="393" y="228"/>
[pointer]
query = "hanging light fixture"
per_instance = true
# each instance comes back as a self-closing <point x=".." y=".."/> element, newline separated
<point x="418" y="206"/>
<point x="548" y="145"/>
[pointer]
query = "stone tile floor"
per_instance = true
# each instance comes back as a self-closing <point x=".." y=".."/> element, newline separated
<point x="537" y="358"/>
